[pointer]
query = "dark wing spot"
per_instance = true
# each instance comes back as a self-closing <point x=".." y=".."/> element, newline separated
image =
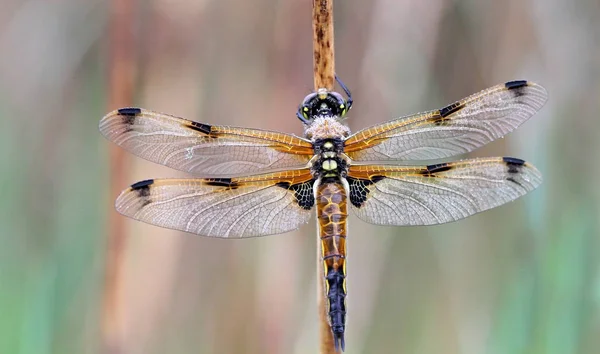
<point x="359" y="190"/>
<point x="441" y="117"/>
<point x="511" y="85"/>
<point x="514" y="181"/>
<point x="221" y="182"/>
<point x="514" y="167"/>
<point x="128" y="115"/>
<point x="437" y="119"/>
<point x="285" y="185"/>
<point x="375" y="179"/>
<point x="201" y="127"/>
<point x="129" y="111"/>
<point x="440" y="167"/>
<point x="516" y="87"/>
<point x="142" y="188"/>
<point x="453" y="108"/>
<point x="303" y="192"/>
<point x="513" y="161"/>
<point x="514" y="164"/>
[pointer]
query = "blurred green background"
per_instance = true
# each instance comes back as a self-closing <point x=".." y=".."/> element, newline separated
<point x="522" y="278"/>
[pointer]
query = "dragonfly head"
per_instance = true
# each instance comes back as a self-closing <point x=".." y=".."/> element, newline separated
<point x="323" y="103"/>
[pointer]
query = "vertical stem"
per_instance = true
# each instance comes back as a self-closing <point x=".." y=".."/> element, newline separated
<point x="121" y="71"/>
<point x="324" y="77"/>
<point x="324" y="58"/>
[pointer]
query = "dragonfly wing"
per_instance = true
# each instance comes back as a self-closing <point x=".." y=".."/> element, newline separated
<point x="455" y="129"/>
<point x="436" y="194"/>
<point x="202" y="149"/>
<point x="223" y="207"/>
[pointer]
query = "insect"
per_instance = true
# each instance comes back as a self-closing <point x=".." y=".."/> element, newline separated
<point x="257" y="182"/>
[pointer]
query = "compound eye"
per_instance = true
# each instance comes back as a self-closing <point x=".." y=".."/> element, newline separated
<point x="338" y="97"/>
<point x="340" y="103"/>
<point x="309" y="98"/>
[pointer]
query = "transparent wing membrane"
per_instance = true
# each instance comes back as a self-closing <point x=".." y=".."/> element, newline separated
<point x="201" y="149"/>
<point x="436" y="194"/>
<point x="223" y="207"/>
<point x="455" y="129"/>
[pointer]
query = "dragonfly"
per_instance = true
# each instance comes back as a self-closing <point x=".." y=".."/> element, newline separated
<point x="253" y="182"/>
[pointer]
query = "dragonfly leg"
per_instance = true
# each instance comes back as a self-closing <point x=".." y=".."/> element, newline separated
<point x="346" y="90"/>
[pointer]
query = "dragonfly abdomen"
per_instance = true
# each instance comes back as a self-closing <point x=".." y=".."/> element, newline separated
<point x="332" y="213"/>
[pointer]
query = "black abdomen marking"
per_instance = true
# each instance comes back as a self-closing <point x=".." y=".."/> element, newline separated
<point x="337" y="306"/>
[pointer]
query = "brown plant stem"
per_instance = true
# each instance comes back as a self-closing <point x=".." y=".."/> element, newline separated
<point x="323" y="51"/>
<point x="324" y="76"/>
<point x="121" y="71"/>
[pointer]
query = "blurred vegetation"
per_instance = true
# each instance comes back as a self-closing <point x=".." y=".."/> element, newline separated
<point x="523" y="278"/>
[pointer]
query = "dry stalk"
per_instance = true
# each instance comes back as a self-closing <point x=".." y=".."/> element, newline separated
<point x="121" y="71"/>
<point x="324" y="77"/>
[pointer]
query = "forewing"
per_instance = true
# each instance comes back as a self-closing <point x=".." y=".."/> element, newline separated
<point x="436" y="194"/>
<point x="455" y="129"/>
<point x="202" y="149"/>
<point x="223" y="207"/>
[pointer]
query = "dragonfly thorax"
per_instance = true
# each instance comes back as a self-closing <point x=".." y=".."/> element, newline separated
<point x="328" y="159"/>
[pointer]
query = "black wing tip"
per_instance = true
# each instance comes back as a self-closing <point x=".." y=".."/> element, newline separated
<point x="514" y="166"/>
<point x="142" y="184"/>
<point x="513" y="161"/>
<point x="142" y="189"/>
<point x="338" y="341"/>
<point x="512" y="85"/>
<point x="129" y="111"/>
